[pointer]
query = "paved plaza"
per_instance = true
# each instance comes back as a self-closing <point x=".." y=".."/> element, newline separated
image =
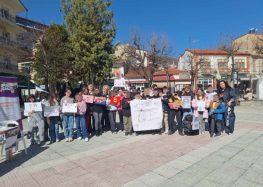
<point x="146" y="160"/>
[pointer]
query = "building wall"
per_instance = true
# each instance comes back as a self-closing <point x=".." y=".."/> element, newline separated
<point x="10" y="49"/>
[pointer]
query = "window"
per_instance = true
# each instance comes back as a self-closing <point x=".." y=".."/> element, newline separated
<point x="6" y="35"/>
<point x="241" y="64"/>
<point x="222" y="63"/>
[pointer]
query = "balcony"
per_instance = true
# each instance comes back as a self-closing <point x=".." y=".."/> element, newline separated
<point x="13" y="45"/>
<point x="7" y="16"/>
<point x="11" y="69"/>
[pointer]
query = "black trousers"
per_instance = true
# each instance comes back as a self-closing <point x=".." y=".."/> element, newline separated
<point x="173" y="126"/>
<point x="215" y="125"/>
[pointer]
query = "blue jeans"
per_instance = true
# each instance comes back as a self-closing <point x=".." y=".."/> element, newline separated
<point x="81" y="126"/>
<point x="54" y="128"/>
<point x="68" y="125"/>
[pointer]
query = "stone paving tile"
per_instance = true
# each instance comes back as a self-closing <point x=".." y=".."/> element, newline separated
<point x="152" y="179"/>
<point x="204" y="183"/>
<point x="245" y="183"/>
<point x="226" y="175"/>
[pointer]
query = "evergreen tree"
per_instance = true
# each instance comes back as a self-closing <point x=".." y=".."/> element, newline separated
<point x="92" y="29"/>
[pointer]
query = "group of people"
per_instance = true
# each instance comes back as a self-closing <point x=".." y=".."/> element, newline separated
<point x="92" y="119"/>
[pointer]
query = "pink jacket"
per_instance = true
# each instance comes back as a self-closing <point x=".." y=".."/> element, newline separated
<point x="82" y="107"/>
<point x="195" y="105"/>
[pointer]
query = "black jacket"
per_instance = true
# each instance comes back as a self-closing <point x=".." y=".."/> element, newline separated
<point x="126" y="108"/>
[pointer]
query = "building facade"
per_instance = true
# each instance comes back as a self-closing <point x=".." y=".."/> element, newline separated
<point x="11" y="49"/>
<point x="211" y="65"/>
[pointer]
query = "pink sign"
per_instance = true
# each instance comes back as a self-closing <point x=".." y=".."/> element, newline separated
<point x="88" y="98"/>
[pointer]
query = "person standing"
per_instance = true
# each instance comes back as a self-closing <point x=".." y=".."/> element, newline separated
<point x="200" y="104"/>
<point x="227" y="96"/>
<point x="111" y="109"/>
<point x="67" y="117"/>
<point x="175" y="114"/>
<point x="126" y="111"/>
<point x="166" y="109"/>
<point x="97" y="114"/>
<point x="35" y="119"/>
<point x="80" y="118"/>
<point x="54" y="126"/>
<point x="216" y="116"/>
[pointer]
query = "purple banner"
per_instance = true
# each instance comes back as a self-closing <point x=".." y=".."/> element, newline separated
<point x="9" y="100"/>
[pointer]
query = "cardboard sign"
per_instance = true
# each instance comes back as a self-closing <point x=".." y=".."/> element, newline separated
<point x="50" y="111"/>
<point x="35" y="106"/>
<point x="186" y="100"/>
<point x="146" y="114"/>
<point x="200" y="106"/>
<point x="100" y="100"/>
<point x="115" y="100"/>
<point x="88" y="98"/>
<point x="69" y="108"/>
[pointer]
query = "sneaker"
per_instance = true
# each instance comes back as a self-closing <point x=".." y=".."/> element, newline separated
<point x="86" y="140"/>
<point x="79" y="138"/>
<point x="166" y="131"/>
<point x="57" y="140"/>
<point x="67" y="139"/>
<point x="70" y="140"/>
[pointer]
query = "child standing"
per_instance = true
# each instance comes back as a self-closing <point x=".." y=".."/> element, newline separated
<point x="200" y="104"/>
<point x="80" y="118"/>
<point x="35" y="119"/>
<point x="126" y="111"/>
<point x="216" y="116"/>
<point x="67" y="117"/>
<point x="53" y="127"/>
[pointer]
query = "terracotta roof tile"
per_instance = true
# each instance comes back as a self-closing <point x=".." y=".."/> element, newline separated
<point x="212" y="52"/>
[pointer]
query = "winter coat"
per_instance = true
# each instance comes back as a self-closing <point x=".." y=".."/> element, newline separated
<point x="195" y="106"/>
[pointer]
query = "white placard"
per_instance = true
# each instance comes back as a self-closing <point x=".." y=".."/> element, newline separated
<point x="200" y="106"/>
<point x="195" y="123"/>
<point x="50" y="111"/>
<point x="35" y="106"/>
<point x="210" y="96"/>
<point x="69" y="108"/>
<point x="186" y="102"/>
<point x="146" y="114"/>
<point x="119" y="82"/>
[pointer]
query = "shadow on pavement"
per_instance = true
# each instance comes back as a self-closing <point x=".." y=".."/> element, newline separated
<point x="19" y="159"/>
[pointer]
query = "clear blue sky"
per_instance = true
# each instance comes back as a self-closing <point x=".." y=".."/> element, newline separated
<point x="186" y="23"/>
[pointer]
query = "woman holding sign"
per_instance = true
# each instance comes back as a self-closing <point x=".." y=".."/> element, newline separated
<point x="68" y="117"/>
<point x="54" y="126"/>
<point x="200" y="104"/>
<point x="35" y="119"/>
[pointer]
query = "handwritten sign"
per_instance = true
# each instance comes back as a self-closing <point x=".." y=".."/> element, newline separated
<point x="100" y="100"/>
<point x="88" y="98"/>
<point x="196" y="123"/>
<point x="146" y="114"/>
<point x="115" y="100"/>
<point x="50" y="111"/>
<point x="186" y="100"/>
<point x="200" y="106"/>
<point x="69" y="108"/>
<point x="35" y="106"/>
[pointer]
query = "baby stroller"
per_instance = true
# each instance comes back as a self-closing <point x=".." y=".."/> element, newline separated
<point x="188" y="123"/>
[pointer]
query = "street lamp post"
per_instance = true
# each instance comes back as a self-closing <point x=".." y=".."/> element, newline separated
<point x="28" y="69"/>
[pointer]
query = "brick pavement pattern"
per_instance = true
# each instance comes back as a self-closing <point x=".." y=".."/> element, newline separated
<point x="148" y="160"/>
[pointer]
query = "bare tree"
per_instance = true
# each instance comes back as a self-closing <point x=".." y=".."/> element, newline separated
<point x="231" y="47"/>
<point x="194" y="68"/>
<point x="145" y="58"/>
